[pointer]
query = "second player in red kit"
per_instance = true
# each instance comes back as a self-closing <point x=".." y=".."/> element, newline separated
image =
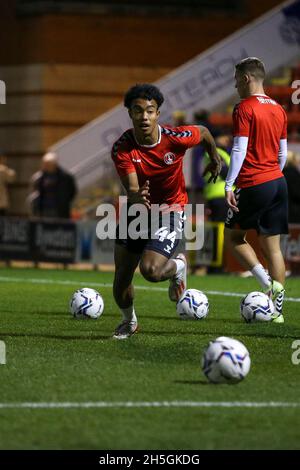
<point x="260" y="200"/>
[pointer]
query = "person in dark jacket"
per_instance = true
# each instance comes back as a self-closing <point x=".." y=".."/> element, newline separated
<point x="7" y="176"/>
<point x="54" y="189"/>
<point x="292" y="176"/>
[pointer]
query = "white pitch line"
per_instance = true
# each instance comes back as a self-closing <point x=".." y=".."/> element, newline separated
<point x="154" y="404"/>
<point x="108" y="285"/>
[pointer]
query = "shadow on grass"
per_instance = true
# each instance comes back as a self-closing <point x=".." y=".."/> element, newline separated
<point x="148" y="333"/>
<point x="159" y="317"/>
<point x="215" y="334"/>
<point x="191" y="382"/>
<point x="52" y="336"/>
<point x="57" y="312"/>
<point x="36" y="312"/>
<point x="64" y="314"/>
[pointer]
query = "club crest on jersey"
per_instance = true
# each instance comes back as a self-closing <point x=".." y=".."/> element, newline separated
<point x="169" y="158"/>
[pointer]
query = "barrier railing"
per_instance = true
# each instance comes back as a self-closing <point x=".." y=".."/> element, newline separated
<point x="68" y="242"/>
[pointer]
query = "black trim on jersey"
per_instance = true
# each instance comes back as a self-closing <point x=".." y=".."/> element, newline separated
<point x="125" y="136"/>
<point x="128" y="135"/>
<point x="166" y="131"/>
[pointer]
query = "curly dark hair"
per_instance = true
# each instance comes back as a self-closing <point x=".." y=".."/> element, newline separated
<point x="145" y="91"/>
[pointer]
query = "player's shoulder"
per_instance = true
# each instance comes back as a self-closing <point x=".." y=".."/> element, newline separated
<point x="180" y="132"/>
<point x="250" y="106"/>
<point x="260" y="101"/>
<point x="245" y="105"/>
<point x="124" y="143"/>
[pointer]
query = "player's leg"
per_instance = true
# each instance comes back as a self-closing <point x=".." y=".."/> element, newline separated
<point x="270" y="246"/>
<point x="273" y="222"/>
<point x="157" y="262"/>
<point x="125" y="265"/>
<point x="236" y="241"/>
<point x="264" y="208"/>
<point x="156" y="267"/>
<point x="251" y="202"/>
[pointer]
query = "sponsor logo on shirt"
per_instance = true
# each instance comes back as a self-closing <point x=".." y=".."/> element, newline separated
<point x="169" y="158"/>
<point x="266" y="100"/>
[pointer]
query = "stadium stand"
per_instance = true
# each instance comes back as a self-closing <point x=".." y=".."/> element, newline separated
<point x="62" y="68"/>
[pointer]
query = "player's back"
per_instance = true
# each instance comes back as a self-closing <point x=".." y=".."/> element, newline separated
<point x="265" y="126"/>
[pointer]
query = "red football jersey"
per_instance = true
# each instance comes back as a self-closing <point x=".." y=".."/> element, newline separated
<point x="160" y="163"/>
<point x="264" y="122"/>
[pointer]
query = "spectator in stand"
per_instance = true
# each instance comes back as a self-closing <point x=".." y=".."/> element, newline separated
<point x="201" y="118"/>
<point x="7" y="175"/>
<point x="292" y="176"/>
<point x="54" y="189"/>
<point x="224" y="141"/>
<point x="179" y="118"/>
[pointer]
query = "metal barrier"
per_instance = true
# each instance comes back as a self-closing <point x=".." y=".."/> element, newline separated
<point x="68" y="242"/>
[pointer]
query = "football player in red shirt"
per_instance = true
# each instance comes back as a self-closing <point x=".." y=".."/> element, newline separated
<point x="260" y="200"/>
<point x="149" y="160"/>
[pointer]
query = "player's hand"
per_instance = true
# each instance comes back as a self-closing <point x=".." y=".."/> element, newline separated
<point x="142" y="196"/>
<point x="231" y="201"/>
<point x="214" y="168"/>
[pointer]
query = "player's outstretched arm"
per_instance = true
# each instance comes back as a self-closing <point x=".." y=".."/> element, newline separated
<point x="215" y="165"/>
<point x="135" y="193"/>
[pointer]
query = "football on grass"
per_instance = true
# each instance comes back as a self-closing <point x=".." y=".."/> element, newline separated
<point x="86" y="303"/>
<point x="256" y="307"/>
<point x="192" y="305"/>
<point x="225" y="360"/>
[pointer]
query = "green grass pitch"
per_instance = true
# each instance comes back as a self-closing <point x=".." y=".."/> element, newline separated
<point x="52" y="358"/>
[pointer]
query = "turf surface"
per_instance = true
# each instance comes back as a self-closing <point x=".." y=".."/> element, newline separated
<point x="54" y="358"/>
